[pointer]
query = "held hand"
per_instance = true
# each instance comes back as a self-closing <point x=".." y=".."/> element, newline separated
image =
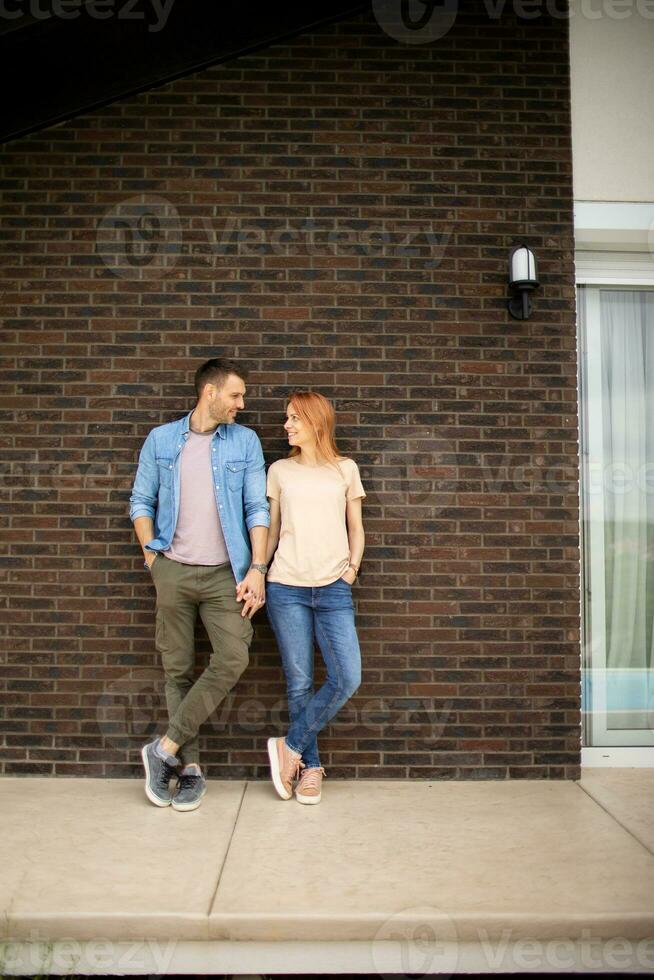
<point x="250" y="605"/>
<point x="252" y="592"/>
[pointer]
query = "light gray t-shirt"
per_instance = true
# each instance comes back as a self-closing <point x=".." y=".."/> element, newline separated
<point x="198" y="538"/>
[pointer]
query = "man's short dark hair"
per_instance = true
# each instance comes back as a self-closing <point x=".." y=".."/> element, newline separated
<point x="216" y="371"/>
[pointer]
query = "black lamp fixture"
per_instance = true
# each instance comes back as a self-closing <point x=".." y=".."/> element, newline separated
<point x="523" y="278"/>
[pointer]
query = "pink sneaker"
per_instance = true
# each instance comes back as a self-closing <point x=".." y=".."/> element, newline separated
<point x="284" y="766"/>
<point x="308" y="788"/>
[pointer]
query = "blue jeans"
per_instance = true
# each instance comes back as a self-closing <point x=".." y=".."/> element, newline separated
<point x="297" y="615"/>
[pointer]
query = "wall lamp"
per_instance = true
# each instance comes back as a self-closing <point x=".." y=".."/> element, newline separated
<point x="522" y="278"/>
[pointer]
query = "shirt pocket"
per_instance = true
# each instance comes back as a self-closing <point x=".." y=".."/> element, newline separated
<point x="235" y="469"/>
<point x="165" y="465"/>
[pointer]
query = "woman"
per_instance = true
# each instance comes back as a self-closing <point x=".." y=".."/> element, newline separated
<point x="316" y="535"/>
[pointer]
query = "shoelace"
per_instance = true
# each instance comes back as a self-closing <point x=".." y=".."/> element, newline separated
<point x="187" y="780"/>
<point x="311" y="778"/>
<point x="166" y="774"/>
<point x="291" y="769"/>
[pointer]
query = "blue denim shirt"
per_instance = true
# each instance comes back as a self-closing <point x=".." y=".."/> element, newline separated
<point x="239" y="486"/>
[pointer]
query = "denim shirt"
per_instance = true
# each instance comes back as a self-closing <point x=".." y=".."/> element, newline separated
<point x="239" y="486"/>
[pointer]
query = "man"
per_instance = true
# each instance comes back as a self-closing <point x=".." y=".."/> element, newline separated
<point x="201" y="514"/>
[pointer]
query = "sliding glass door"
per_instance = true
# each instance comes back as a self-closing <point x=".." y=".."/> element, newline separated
<point x="616" y="385"/>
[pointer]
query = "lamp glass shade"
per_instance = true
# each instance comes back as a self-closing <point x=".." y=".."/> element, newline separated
<point x="523" y="266"/>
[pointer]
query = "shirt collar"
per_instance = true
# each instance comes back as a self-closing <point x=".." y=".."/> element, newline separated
<point x="186" y="425"/>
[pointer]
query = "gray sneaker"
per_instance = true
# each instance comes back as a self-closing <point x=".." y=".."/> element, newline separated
<point x="158" y="773"/>
<point x="190" y="789"/>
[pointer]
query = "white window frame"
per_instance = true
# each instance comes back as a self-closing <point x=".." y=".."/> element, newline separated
<point x="615" y="248"/>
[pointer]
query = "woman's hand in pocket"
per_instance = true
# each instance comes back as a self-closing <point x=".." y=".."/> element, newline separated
<point x="349" y="576"/>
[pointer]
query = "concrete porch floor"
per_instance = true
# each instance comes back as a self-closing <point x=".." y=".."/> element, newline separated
<point x="383" y="877"/>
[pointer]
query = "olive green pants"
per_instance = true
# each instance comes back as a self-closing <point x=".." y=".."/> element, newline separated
<point x="182" y="590"/>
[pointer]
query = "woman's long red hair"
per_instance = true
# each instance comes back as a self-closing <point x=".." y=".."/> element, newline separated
<point x="317" y="413"/>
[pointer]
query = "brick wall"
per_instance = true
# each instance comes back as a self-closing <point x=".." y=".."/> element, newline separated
<point x="463" y="420"/>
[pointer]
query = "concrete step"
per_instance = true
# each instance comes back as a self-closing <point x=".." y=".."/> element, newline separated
<point x="472" y="871"/>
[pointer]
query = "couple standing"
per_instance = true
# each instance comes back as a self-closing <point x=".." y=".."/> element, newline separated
<point x="209" y="522"/>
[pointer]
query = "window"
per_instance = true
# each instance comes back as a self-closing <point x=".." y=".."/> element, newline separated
<point x="616" y="441"/>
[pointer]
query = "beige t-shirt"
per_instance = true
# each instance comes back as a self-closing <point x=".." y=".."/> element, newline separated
<point x="313" y="545"/>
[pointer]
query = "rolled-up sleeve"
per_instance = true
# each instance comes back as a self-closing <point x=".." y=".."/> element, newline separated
<point x="145" y="492"/>
<point x="255" y="502"/>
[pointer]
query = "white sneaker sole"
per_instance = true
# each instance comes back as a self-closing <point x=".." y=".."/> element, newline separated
<point x="148" y="792"/>
<point x="308" y="799"/>
<point x="274" y="770"/>
<point x="188" y="806"/>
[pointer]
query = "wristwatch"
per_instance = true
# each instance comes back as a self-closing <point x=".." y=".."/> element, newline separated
<point x="260" y="568"/>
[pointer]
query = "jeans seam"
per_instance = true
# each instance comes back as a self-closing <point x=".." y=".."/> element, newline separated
<point x="314" y="737"/>
<point x="279" y="643"/>
<point x="311" y="730"/>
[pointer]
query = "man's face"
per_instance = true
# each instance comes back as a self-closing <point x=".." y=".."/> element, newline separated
<point x="227" y="401"/>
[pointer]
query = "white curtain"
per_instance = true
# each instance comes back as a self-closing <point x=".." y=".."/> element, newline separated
<point x="627" y="357"/>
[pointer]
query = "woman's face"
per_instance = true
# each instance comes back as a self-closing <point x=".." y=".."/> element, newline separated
<point x="297" y="432"/>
